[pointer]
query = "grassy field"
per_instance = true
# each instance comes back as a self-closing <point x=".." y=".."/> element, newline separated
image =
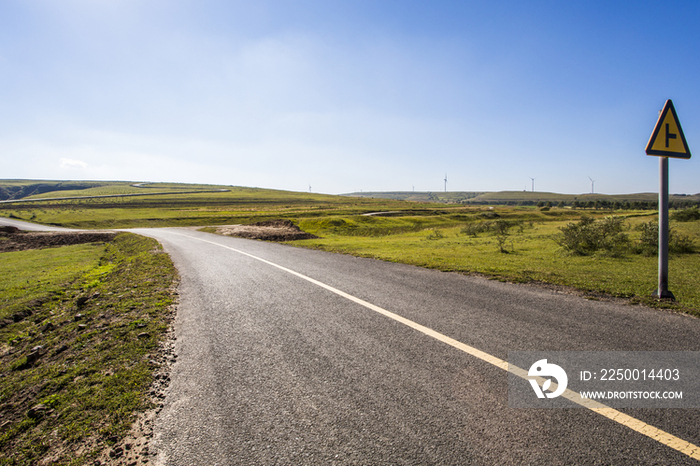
<point x="80" y="329"/>
<point x="428" y="234"/>
<point x="32" y="275"/>
<point x="237" y="205"/>
<point x="530" y="252"/>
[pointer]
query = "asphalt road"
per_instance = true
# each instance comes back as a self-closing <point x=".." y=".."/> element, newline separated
<point x="275" y="369"/>
<point x="29" y="226"/>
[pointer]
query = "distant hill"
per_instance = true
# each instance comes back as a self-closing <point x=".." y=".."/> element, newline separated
<point x="38" y="189"/>
<point x="419" y="196"/>
<point x="26" y="190"/>
<point x="20" y="189"/>
<point x="525" y="197"/>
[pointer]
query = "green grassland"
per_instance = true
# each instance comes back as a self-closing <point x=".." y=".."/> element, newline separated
<point x="236" y="205"/>
<point x="429" y="234"/>
<point x="32" y="275"/>
<point x="80" y="329"/>
<point x="531" y="252"/>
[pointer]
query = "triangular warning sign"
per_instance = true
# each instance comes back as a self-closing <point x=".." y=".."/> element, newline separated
<point x="668" y="140"/>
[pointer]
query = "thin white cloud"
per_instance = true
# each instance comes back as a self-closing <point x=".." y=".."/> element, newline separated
<point x="73" y="164"/>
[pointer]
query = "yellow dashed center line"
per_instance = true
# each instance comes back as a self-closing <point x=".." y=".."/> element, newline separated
<point x="643" y="428"/>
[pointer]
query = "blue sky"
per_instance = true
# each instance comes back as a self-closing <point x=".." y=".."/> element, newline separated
<point x="349" y="95"/>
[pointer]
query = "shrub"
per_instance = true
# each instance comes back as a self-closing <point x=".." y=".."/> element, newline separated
<point x="578" y="238"/>
<point x="472" y="229"/>
<point x="498" y="227"/>
<point x="686" y="215"/>
<point x="680" y="244"/>
<point x="649" y="240"/>
<point x="501" y="239"/>
<point x="435" y="234"/>
<point x="589" y="236"/>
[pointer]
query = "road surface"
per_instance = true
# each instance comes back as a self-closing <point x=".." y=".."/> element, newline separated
<point x="298" y="357"/>
<point x="29" y="226"/>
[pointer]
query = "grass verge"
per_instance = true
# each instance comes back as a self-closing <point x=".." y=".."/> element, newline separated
<point x="526" y="253"/>
<point x="81" y="330"/>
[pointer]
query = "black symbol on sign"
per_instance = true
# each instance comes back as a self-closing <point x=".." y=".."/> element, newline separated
<point x="669" y="135"/>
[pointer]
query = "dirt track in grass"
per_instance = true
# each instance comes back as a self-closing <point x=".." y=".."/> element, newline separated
<point x="273" y="230"/>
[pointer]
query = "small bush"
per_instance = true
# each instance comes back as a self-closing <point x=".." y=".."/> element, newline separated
<point x="435" y="234"/>
<point x="472" y="229"/>
<point x="501" y="241"/>
<point x="649" y="240"/>
<point x="686" y="215"/>
<point x="589" y="236"/>
<point x="498" y="227"/>
<point x="681" y="244"/>
<point x="501" y="227"/>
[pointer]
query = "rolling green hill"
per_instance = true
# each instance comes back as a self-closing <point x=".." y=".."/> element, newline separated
<point x="21" y="189"/>
<point x="126" y="205"/>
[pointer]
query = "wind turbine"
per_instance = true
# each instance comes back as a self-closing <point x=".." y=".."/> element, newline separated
<point x="445" y="182"/>
<point x="309" y="188"/>
<point x="592" y="185"/>
<point x="533" y="184"/>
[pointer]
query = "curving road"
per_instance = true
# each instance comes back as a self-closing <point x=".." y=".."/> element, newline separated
<point x="298" y="357"/>
<point x="29" y="226"/>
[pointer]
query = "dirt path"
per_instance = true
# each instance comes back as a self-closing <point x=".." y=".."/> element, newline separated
<point x="273" y="230"/>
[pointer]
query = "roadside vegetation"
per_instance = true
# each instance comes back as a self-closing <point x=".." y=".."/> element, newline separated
<point x="81" y="334"/>
<point x="596" y="253"/>
<point x="595" y="243"/>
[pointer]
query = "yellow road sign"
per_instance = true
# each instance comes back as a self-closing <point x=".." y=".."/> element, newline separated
<point x="668" y="140"/>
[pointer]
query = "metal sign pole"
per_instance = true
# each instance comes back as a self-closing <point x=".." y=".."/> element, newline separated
<point x="667" y="140"/>
<point x="662" y="291"/>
